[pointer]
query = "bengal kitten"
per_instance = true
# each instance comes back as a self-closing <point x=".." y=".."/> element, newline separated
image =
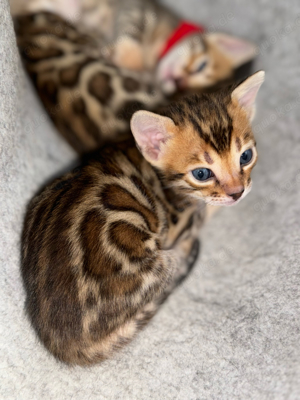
<point x="144" y="35"/>
<point x="89" y="100"/>
<point x="105" y="244"/>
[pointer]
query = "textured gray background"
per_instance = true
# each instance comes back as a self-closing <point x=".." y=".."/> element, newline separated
<point x="232" y="330"/>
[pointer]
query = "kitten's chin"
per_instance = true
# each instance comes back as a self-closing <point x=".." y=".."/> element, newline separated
<point x="229" y="202"/>
<point x="166" y="77"/>
<point x="222" y="203"/>
<point x="225" y="202"/>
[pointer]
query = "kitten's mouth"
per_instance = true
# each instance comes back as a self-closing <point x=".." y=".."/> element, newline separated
<point x="229" y="202"/>
<point x="226" y="203"/>
<point x="172" y="85"/>
<point x="180" y="83"/>
<point x="170" y="81"/>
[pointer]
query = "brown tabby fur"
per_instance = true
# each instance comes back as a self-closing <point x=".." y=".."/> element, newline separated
<point x="106" y="243"/>
<point x="102" y="247"/>
<point x="89" y="100"/>
<point x="133" y="33"/>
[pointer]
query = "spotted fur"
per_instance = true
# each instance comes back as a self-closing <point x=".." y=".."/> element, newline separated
<point x="104" y="245"/>
<point x="133" y="33"/>
<point x="89" y="100"/>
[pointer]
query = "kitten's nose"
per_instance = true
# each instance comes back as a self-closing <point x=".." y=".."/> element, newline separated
<point x="180" y="83"/>
<point x="236" y="196"/>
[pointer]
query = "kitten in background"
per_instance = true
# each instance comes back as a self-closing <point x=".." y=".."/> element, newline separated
<point x="144" y="35"/>
<point x="89" y="99"/>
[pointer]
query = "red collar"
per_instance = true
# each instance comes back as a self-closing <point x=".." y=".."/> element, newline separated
<point x="183" y="30"/>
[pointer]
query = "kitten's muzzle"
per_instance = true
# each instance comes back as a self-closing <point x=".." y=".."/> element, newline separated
<point x="237" y="195"/>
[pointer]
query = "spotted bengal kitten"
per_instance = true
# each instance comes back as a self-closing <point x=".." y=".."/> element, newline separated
<point x="105" y="244"/>
<point x="138" y="35"/>
<point x="89" y="100"/>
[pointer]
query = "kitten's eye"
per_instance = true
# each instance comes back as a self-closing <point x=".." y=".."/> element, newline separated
<point x="201" y="67"/>
<point x="202" y="174"/>
<point x="246" y="157"/>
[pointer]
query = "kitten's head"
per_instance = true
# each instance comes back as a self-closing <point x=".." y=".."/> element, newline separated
<point x="201" y="61"/>
<point x="204" y="144"/>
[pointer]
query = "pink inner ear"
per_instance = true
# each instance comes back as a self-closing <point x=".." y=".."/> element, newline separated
<point x="150" y="141"/>
<point x="150" y="133"/>
<point x="248" y="99"/>
<point x="234" y="45"/>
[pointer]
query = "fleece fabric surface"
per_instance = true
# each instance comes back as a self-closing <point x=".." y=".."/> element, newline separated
<point x="231" y="331"/>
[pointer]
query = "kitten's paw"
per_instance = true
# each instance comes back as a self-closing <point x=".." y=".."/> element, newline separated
<point x="185" y="268"/>
<point x="128" y="53"/>
<point x="187" y="248"/>
<point x="182" y="270"/>
<point x="192" y="257"/>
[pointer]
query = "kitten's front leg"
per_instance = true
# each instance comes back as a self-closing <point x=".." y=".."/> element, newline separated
<point x="127" y="53"/>
<point x="185" y="252"/>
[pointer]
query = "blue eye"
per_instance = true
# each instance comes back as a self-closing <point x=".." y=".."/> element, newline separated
<point x="201" y="67"/>
<point x="202" y="174"/>
<point x="246" y="157"/>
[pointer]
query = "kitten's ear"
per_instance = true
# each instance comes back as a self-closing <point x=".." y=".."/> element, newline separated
<point x="247" y="91"/>
<point x="239" y="51"/>
<point x="152" y="132"/>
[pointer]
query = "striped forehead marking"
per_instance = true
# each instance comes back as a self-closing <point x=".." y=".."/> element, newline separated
<point x="238" y="144"/>
<point x="208" y="158"/>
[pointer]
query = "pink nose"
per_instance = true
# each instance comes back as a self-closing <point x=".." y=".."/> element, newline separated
<point x="236" y="195"/>
<point x="180" y="83"/>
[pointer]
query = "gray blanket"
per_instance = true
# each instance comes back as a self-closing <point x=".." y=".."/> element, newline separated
<point x="231" y="331"/>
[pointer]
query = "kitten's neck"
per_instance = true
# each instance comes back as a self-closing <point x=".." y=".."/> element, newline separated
<point x="174" y="194"/>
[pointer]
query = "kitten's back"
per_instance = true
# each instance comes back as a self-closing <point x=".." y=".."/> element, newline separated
<point x="93" y="260"/>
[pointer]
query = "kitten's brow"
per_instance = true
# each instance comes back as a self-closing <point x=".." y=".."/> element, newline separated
<point x="175" y="177"/>
<point x="208" y="158"/>
<point x="194" y="158"/>
<point x="247" y="136"/>
<point x="238" y="144"/>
